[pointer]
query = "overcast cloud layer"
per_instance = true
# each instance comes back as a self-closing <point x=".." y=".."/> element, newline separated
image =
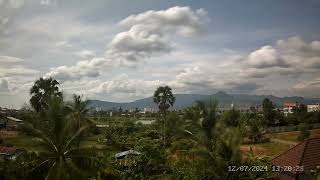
<point x="122" y="53"/>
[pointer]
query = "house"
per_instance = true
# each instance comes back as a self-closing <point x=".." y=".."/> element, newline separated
<point x="288" y="107"/>
<point x="121" y="157"/>
<point x="9" y="153"/>
<point x="147" y="109"/>
<point x="13" y="123"/>
<point x="298" y="162"/>
<point x="313" y="107"/>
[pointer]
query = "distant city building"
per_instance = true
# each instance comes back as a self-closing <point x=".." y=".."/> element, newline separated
<point x="313" y="107"/>
<point x="288" y="107"/>
<point x="147" y="109"/>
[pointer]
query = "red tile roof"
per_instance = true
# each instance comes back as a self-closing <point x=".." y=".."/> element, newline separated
<point x="7" y="150"/>
<point x="290" y="104"/>
<point x="306" y="154"/>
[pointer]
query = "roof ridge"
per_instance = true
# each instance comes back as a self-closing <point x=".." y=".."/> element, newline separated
<point x="304" y="150"/>
<point x="288" y="150"/>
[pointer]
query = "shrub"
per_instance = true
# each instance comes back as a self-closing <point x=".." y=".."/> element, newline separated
<point x="304" y="131"/>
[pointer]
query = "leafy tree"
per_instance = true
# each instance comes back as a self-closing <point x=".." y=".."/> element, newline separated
<point x="42" y="91"/>
<point x="257" y="161"/>
<point x="268" y="111"/>
<point x="255" y="128"/>
<point x="163" y="96"/>
<point x="231" y="117"/>
<point x="304" y="131"/>
<point x="302" y="108"/>
<point x="174" y="130"/>
<point x="192" y="116"/>
<point x="59" y="158"/>
<point x="300" y="114"/>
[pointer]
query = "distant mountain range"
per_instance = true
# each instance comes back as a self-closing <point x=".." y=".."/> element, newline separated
<point x="187" y="100"/>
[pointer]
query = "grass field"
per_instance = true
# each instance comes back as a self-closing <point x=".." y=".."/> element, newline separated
<point x="272" y="149"/>
<point x="32" y="144"/>
<point x="293" y="135"/>
<point x="264" y="149"/>
<point x="23" y="141"/>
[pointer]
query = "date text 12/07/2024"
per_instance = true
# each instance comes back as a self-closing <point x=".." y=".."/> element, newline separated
<point x="265" y="168"/>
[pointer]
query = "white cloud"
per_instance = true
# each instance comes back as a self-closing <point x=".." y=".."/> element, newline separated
<point x="308" y="88"/>
<point x="147" y="36"/>
<point x="148" y="33"/>
<point x="123" y="85"/>
<point x="86" y="54"/>
<point x="88" y="68"/>
<point x="266" y="56"/>
<point x="9" y="60"/>
<point x="10" y="67"/>
<point x="17" y="71"/>
<point x="293" y="56"/>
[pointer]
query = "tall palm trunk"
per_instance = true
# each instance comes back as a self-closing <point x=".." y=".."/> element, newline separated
<point x="164" y="129"/>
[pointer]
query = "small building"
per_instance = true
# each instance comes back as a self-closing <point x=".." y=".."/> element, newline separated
<point x="288" y="107"/>
<point x="13" y="123"/>
<point x="298" y="162"/>
<point x="313" y="107"/>
<point x="9" y="153"/>
<point x="102" y="125"/>
<point x="147" y="109"/>
<point x="121" y="157"/>
<point x="145" y="122"/>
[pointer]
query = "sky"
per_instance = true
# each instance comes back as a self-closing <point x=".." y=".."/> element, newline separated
<point x="120" y="50"/>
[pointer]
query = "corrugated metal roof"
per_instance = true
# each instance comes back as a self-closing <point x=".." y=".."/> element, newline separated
<point x="14" y="119"/>
<point x="124" y="153"/>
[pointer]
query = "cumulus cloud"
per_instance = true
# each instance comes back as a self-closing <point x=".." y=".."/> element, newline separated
<point x="10" y="67"/>
<point x="86" y="54"/>
<point x="284" y="61"/>
<point x="264" y="57"/>
<point x="123" y="85"/>
<point x="293" y="56"/>
<point x="88" y="68"/>
<point x="148" y="33"/>
<point x="308" y="88"/>
<point x="9" y="60"/>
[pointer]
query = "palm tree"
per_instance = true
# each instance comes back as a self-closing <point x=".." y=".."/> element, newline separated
<point x="59" y="155"/>
<point x="78" y="114"/>
<point x="164" y="98"/>
<point x="216" y="144"/>
<point x="79" y="110"/>
<point x="42" y="90"/>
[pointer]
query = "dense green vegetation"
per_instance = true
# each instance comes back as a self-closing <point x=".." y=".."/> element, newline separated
<point x="62" y="140"/>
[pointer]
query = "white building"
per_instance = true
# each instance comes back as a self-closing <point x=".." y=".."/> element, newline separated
<point x="147" y="109"/>
<point x="288" y="108"/>
<point x="313" y="107"/>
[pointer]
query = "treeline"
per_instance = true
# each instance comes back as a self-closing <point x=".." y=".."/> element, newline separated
<point x="195" y="144"/>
